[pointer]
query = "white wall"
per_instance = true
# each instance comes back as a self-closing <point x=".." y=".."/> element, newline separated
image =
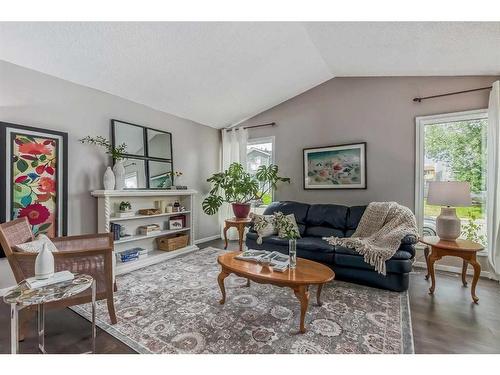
<point x="31" y="98"/>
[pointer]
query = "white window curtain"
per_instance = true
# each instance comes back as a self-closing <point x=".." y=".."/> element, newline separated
<point x="493" y="188"/>
<point x="234" y="150"/>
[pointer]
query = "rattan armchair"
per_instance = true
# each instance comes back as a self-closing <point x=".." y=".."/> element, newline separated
<point x="89" y="254"/>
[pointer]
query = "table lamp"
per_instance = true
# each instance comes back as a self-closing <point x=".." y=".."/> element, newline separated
<point x="450" y="194"/>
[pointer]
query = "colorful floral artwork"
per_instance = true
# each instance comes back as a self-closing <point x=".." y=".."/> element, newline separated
<point x="35" y="180"/>
<point x="335" y="167"/>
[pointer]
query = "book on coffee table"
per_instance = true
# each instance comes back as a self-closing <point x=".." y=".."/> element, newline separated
<point x="279" y="262"/>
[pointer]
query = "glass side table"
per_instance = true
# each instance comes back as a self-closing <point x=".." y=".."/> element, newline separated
<point x="22" y="296"/>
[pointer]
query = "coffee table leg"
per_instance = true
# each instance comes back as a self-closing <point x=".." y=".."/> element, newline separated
<point x="318" y="294"/>
<point x="14" y="320"/>
<point x="220" y="279"/>
<point x="302" y="294"/>
<point x="41" y="327"/>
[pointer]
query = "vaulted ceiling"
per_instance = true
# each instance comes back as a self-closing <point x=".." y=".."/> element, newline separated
<point x="219" y="74"/>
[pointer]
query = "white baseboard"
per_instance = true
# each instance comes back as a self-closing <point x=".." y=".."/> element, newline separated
<point x="206" y="239"/>
<point x="441" y="267"/>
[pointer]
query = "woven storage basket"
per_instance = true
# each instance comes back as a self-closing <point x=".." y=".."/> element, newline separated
<point x="172" y="242"/>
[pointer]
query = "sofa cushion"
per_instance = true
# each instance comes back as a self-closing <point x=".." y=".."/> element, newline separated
<point x="284" y="222"/>
<point x="288" y="207"/>
<point x="353" y="217"/>
<point x="314" y="244"/>
<point x="409" y="239"/>
<point x="323" y="232"/>
<point x="356" y="261"/>
<point x="263" y="225"/>
<point x="399" y="255"/>
<point x="327" y="215"/>
<point x="309" y="244"/>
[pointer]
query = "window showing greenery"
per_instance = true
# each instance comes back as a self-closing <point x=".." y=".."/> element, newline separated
<point x="260" y="152"/>
<point x="456" y="151"/>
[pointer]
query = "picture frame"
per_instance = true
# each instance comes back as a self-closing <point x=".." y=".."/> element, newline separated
<point x="34" y="163"/>
<point x="335" y="167"/>
<point x="175" y="224"/>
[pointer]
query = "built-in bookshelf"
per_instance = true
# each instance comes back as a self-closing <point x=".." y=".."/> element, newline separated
<point x="108" y="206"/>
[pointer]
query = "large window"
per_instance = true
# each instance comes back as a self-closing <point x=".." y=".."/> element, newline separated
<point x="260" y="151"/>
<point x="452" y="147"/>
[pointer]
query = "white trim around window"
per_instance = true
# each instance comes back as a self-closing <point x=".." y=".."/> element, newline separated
<point x="420" y="123"/>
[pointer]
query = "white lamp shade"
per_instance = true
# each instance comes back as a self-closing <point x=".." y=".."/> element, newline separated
<point x="449" y="193"/>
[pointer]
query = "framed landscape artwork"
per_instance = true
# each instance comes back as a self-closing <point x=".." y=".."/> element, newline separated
<point x="34" y="162"/>
<point x="335" y="167"/>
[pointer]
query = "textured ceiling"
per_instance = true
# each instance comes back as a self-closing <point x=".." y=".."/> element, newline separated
<point x="219" y="74"/>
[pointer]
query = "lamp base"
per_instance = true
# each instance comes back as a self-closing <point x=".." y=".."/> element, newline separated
<point x="448" y="224"/>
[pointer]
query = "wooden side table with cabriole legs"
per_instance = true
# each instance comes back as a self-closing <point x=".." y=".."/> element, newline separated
<point x="461" y="248"/>
<point x="240" y="225"/>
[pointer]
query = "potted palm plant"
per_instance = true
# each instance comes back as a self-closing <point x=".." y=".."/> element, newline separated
<point x="240" y="188"/>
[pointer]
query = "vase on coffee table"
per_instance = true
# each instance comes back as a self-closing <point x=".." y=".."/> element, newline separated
<point x="292" y="252"/>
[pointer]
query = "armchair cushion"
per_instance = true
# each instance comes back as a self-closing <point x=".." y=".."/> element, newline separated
<point x="36" y="246"/>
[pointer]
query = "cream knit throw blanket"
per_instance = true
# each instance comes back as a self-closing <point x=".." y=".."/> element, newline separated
<point x="379" y="233"/>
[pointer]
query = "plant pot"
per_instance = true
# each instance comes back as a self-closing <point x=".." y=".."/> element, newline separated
<point x="241" y="210"/>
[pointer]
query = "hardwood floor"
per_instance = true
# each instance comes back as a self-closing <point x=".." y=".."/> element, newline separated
<point x="447" y="322"/>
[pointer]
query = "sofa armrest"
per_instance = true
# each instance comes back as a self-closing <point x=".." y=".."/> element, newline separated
<point x="409" y="239"/>
<point x="408" y="244"/>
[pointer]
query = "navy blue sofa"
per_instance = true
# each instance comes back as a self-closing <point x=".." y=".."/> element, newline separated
<point x="323" y="220"/>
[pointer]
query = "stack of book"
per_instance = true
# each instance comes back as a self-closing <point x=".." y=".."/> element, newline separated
<point x="279" y="262"/>
<point x="131" y="254"/>
<point x="115" y="229"/>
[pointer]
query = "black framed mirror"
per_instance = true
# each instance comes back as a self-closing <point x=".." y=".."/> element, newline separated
<point x="135" y="173"/>
<point x="148" y="159"/>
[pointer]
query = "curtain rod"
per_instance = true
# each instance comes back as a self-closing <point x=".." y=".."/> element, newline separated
<point x="254" y="126"/>
<point x="419" y="100"/>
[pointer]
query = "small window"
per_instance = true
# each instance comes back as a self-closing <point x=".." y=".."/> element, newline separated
<point x="260" y="151"/>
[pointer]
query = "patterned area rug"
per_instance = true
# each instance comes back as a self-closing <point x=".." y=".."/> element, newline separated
<point x="173" y="307"/>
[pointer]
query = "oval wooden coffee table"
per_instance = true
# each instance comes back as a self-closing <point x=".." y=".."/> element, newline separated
<point x="299" y="279"/>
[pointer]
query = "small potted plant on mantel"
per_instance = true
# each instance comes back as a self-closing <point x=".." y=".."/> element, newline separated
<point x="240" y="188"/>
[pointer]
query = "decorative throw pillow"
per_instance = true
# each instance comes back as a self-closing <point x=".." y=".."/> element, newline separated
<point x="263" y="225"/>
<point x="37" y="245"/>
<point x="286" y="225"/>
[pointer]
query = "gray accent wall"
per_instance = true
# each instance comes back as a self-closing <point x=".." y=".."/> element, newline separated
<point x="377" y="110"/>
<point x="31" y="98"/>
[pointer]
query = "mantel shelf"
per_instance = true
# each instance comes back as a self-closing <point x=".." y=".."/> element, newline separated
<point x="142" y="193"/>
